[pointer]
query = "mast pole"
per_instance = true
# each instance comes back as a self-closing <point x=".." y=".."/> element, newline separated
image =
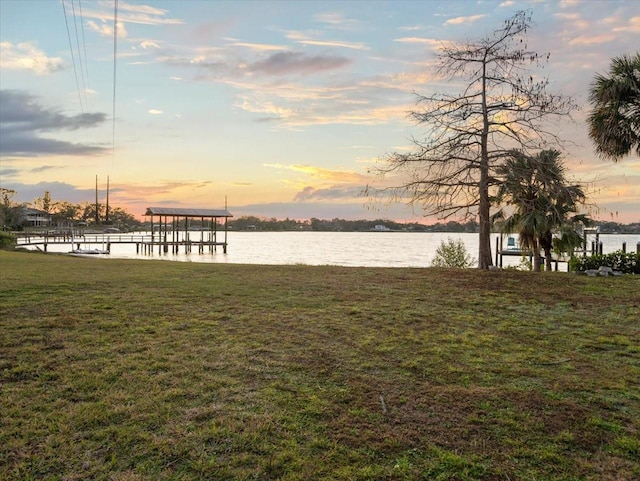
<point x="97" y="205"/>
<point x="107" y="214"/>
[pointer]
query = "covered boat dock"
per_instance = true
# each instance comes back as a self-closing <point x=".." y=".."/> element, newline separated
<point x="172" y="228"/>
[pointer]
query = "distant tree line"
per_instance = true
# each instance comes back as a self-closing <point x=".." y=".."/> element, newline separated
<point x="617" y="228"/>
<point x="252" y="223"/>
<point x="62" y="212"/>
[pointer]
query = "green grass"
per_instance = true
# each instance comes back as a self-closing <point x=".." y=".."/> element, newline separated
<point x="152" y="370"/>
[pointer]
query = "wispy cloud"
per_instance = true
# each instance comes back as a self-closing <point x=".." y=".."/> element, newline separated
<point x="574" y="21"/>
<point x="129" y="13"/>
<point x="152" y="191"/>
<point x="569" y="3"/>
<point x="336" y="20"/>
<point x="141" y="9"/>
<point x="431" y="42"/>
<point x="579" y="31"/>
<point x="296" y="105"/>
<point x="105" y="29"/>
<point x="273" y="81"/>
<point x="633" y="25"/>
<point x="331" y="193"/>
<point x="320" y="173"/>
<point x="259" y="47"/>
<point x="320" y="184"/>
<point x="317" y="110"/>
<point x="6" y="173"/>
<point x="592" y="40"/>
<point x="464" y="20"/>
<point x="303" y="39"/>
<point x="26" y="56"/>
<point x="298" y="63"/>
<point x="155" y="112"/>
<point x="43" y="168"/>
<point x="149" y="44"/>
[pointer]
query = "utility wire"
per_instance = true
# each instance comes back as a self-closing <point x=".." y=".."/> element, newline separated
<point x="73" y="60"/>
<point x="84" y="43"/>
<point x="115" y="55"/>
<point x="75" y="26"/>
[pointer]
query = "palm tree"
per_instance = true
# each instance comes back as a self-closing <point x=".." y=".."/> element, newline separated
<point x="614" y="123"/>
<point x="536" y="189"/>
<point x="564" y="200"/>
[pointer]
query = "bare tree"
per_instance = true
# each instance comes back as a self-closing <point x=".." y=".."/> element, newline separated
<point x="501" y="107"/>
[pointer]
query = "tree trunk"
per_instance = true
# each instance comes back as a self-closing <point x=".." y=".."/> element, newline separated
<point x="546" y="242"/>
<point x="485" y="259"/>
<point x="484" y="243"/>
<point x="537" y="267"/>
<point x="547" y="256"/>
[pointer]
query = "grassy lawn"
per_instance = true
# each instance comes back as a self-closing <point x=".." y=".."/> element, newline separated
<point x="151" y="370"/>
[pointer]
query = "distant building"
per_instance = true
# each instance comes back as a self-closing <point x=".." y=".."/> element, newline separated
<point x="35" y="218"/>
<point x="381" y="228"/>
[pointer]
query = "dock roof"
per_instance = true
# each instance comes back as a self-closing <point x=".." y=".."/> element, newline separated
<point x="175" y="212"/>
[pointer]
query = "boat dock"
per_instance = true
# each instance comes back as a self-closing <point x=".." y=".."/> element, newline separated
<point x="145" y="243"/>
<point x="513" y="249"/>
<point x="171" y="232"/>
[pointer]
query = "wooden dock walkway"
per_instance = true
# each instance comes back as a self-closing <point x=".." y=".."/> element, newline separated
<point x="145" y="243"/>
<point x="514" y="250"/>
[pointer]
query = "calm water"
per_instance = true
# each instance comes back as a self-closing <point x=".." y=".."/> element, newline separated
<point x="368" y="249"/>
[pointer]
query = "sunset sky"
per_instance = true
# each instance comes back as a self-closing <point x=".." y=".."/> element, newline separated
<point x="281" y="107"/>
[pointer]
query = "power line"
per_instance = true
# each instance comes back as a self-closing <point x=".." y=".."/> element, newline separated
<point x="75" y="26"/>
<point x="73" y="60"/>
<point x="115" y="54"/>
<point x="84" y="43"/>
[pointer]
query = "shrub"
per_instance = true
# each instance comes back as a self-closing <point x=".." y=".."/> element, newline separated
<point x="452" y="254"/>
<point x="7" y="240"/>
<point x="618" y="261"/>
